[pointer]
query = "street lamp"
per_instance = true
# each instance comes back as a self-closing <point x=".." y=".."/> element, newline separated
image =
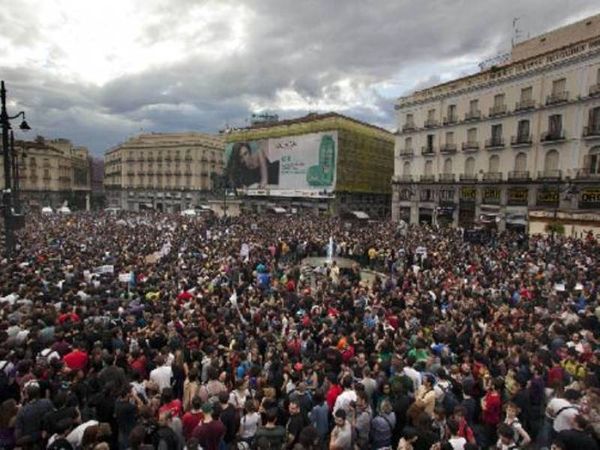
<point x="9" y="216"/>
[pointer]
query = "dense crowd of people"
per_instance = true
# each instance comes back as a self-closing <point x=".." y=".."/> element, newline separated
<point x="135" y="331"/>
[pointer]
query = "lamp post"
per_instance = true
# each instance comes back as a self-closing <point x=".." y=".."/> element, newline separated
<point x="9" y="219"/>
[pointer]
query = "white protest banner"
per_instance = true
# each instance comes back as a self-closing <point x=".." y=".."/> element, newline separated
<point x="125" y="277"/>
<point x="245" y="250"/>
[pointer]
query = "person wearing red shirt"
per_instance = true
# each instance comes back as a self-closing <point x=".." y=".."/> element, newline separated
<point x="192" y="418"/>
<point x="77" y="359"/>
<point x="491" y="408"/>
<point x="169" y="404"/>
<point x="334" y="391"/>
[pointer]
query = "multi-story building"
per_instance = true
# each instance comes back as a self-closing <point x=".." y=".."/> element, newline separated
<point x="51" y="172"/>
<point x="319" y="163"/>
<point x="516" y="144"/>
<point x="164" y="171"/>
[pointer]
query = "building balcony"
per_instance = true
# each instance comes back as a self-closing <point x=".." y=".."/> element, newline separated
<point x="402" y="178"/>
<point x="408" y="127"/>
<point x="498" y="110"/>
<point x="188" y="174"/>
<point x="431" y="123"/>
<point x="427" y="178"/>
<point x="557" y="97"/>
<point x="524" y="105"/>
<point x="448" y="149"/>
<point x="141" y="159"/>
<point x="519" y="175"/>
<point x="427" y="151"/>
<point x="130" y="173"/>
<point x="588" y="174"/>
<point x="130" y="160"/>
<point x="451" y="120"/>
<point x="591" y="132"/>
<point x="494" y="143"/>
<point x="46" y="178"/>
<point x="595" y="90"/>
<point x="407" y="153"/>
<point x="150" y="159"/>
<point x="470" y="177"/>
<point x="470" y="147"/>
<point x="473" y="115"/>
<point x="553" y="136"/>
<point x="188" y="159"/>
<point x="521" y="140"/>
<point x="447" y="177"/>
<point x="492" y="176"/>
<point x="550" y="174"/>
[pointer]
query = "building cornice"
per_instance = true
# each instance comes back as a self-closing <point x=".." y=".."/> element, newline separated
<point x="504" y="74"/>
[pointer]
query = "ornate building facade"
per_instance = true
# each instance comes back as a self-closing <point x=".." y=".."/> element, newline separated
<point x="516" y="145"/>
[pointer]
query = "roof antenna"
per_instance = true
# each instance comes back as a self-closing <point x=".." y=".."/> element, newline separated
<point x="517" y="34"/>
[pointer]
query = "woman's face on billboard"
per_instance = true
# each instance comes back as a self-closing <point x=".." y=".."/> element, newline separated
<point x="248" y="159"/>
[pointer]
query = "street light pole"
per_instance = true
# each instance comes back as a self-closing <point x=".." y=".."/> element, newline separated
<point x="9" y="220"/>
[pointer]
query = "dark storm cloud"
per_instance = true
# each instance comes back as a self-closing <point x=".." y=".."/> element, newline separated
<point x="326" y="52"/>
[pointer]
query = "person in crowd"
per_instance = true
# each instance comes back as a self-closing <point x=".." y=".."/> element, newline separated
<point x="169" y="329"/>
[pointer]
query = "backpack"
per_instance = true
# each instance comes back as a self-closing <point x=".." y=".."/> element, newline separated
<point x="449" y="402"/>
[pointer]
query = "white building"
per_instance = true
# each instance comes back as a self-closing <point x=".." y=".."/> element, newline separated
<point x="516" y="144"/>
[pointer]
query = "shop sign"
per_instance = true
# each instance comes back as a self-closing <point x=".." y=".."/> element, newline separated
<point x="491" y="195"/>
<point x="589" y="198"/>
<point x="547" y="197"/>
<point x="518" y="196"/>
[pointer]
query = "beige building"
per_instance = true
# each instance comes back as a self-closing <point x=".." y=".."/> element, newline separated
<point x="164" y="171"/>
<point x="517" y="144"/>
<point x="51" y="172"/>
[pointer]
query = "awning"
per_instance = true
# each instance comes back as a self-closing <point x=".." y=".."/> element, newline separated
<point x="205" y="207"/>
<point x="516" y="219"/>
<point x="360" y="214"/>
<point x="278" y="210"/>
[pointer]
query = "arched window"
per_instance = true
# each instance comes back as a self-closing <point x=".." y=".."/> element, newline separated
<point x="448" y="165"/>
<point x="521" y="162"/>
<point x="494" y="164"/>
<point x="551" y="161"/>
<point x="429" y="167"/>
<point x="406" y="168"/>
<point x="470" y="166"/>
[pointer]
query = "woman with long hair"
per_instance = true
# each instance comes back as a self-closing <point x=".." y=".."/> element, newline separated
<point x="246" y="167"/>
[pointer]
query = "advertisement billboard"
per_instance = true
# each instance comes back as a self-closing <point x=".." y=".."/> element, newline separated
<point x="302" y="165"/>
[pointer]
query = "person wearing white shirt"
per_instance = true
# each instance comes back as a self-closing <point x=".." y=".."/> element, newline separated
<point x="345" y="398"/>
<point x="563" y="411"/>
<point x="162" y="374"/>
<point x="414" y="375"/>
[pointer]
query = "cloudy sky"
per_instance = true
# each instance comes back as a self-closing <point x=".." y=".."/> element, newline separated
<point x="100" y="71"/>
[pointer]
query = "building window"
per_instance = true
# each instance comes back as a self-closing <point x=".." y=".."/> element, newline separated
<point x="429" y="167"/>
<point x="555" y="125"/>
<point x="410" y="121"/>
<point x="523" y="131"/>
<point x="408" y="143"/>
<point x="551" y="161"/>
<point x="592" y="161"/>
<point x="559" y="86"/>
<point x="448" y="165"/>
<point x="470" y="166"/>
<point x="430" y="138"/>
<point x="496" y="133"/>
<point x="527" y="94"/>
<point x="472" y="135"/>
<point x="521" y="162"/>
<point x="451" y="113"/>
<point x="406" y="168"/>
<point x="426" y="195"/>
<point x="473" y="106"/>
<point x="498" y="100"/>
<point x="431" y="115"/>
<point x="494" y="164"/>
<point x="594" y="120"/>
<point x="449" y="137"/>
